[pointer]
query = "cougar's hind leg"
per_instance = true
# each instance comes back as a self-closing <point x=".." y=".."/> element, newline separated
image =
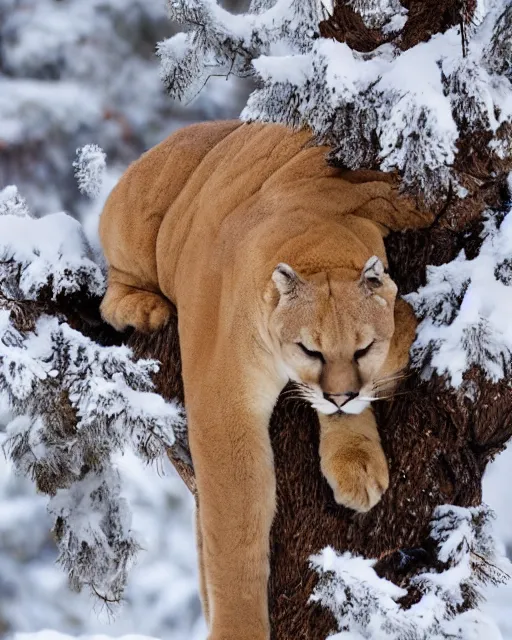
<point x="127" y="303"/>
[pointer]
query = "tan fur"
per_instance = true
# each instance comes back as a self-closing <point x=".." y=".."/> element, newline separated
<point x="203" y="220"/>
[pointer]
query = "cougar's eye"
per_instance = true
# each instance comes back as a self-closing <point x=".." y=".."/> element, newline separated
<point x="360" y="353"/>
<point x="317" y="355"/>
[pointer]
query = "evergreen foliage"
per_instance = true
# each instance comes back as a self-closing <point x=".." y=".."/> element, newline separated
<point x="75" y="402"/>
<point x="374" y="109"/>
<point x="367" y="606"/>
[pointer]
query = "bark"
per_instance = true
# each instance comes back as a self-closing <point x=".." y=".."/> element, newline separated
<point x="425" y="17"/>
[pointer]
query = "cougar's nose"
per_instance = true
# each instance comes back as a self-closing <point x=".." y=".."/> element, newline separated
<point x="339" y="399"/>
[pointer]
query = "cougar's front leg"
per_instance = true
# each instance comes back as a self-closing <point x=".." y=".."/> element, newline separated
<point x="352" y="459"/>
<point x="234" y="471"/>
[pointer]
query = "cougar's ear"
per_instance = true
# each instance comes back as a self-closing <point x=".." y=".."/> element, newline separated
<point x="373" y="275"/>
<point x="287" y="281"/>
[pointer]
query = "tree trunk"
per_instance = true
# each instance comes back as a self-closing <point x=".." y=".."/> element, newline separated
<point x="438" y="442"/>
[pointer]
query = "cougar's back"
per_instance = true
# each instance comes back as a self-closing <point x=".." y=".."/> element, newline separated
<point x="133" y="213"/>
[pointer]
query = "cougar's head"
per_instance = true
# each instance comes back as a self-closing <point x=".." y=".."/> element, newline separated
<point x="332" y="332"/>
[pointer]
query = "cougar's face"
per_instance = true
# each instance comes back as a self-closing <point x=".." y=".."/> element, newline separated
<point x="332" y="334"/>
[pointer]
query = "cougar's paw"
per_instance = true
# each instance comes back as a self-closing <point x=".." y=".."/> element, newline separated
<point x="152" y="314"/>
<point x="126" y="307"/>
<point x="358" y="477"/>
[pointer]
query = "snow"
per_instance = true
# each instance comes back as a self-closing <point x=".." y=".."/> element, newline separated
<point x="115" y="392"/>
<point x="12" y="203"/>
<point x="296" y="69"/>
<point x="90" y="167"/>
<point x="74" y="403"/>
<point x="463" y="539"/>
<point x="465" y="310"/>
<point x="380" y="13"/>
<point x="416" y="116"/>
<point x="47" y="251"/>
<point x="349" y="568"/>
<point x="396" y="23"/>
<point x="114" y="410"/>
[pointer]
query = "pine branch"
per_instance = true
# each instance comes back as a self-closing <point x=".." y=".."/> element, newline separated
<point x="370" y="108"/>
<point x="499" y="53"/>
<point x="74" y="401"/>
<point x="219" y="43"/>
<point x="463" y="560"/>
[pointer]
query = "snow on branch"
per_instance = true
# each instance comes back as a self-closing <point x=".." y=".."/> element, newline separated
<point x="90" y="166"/>
<point x="48" y="254"/>
<point x="374" y="109"/>
<point x="12" y="203"/>
<point x="465" y="309"/>
<point x="367" y="606"/>
<point x="376" y="13"/>
<point x="220" y="43"/>
<point x="368" y="107"/>
<point x="75" y="403"/>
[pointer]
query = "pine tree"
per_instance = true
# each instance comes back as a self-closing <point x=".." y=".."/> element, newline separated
<point x="386" y="94"/>
<point x="420" y="90"/>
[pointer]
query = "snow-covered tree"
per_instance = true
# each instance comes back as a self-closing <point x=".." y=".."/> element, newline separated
<point x="373" y="107"/>
<point x="424" y="91"/>
<point x="401" y="87"/>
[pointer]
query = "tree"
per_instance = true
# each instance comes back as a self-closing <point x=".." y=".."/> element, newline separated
<point x="372" y="81"/>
